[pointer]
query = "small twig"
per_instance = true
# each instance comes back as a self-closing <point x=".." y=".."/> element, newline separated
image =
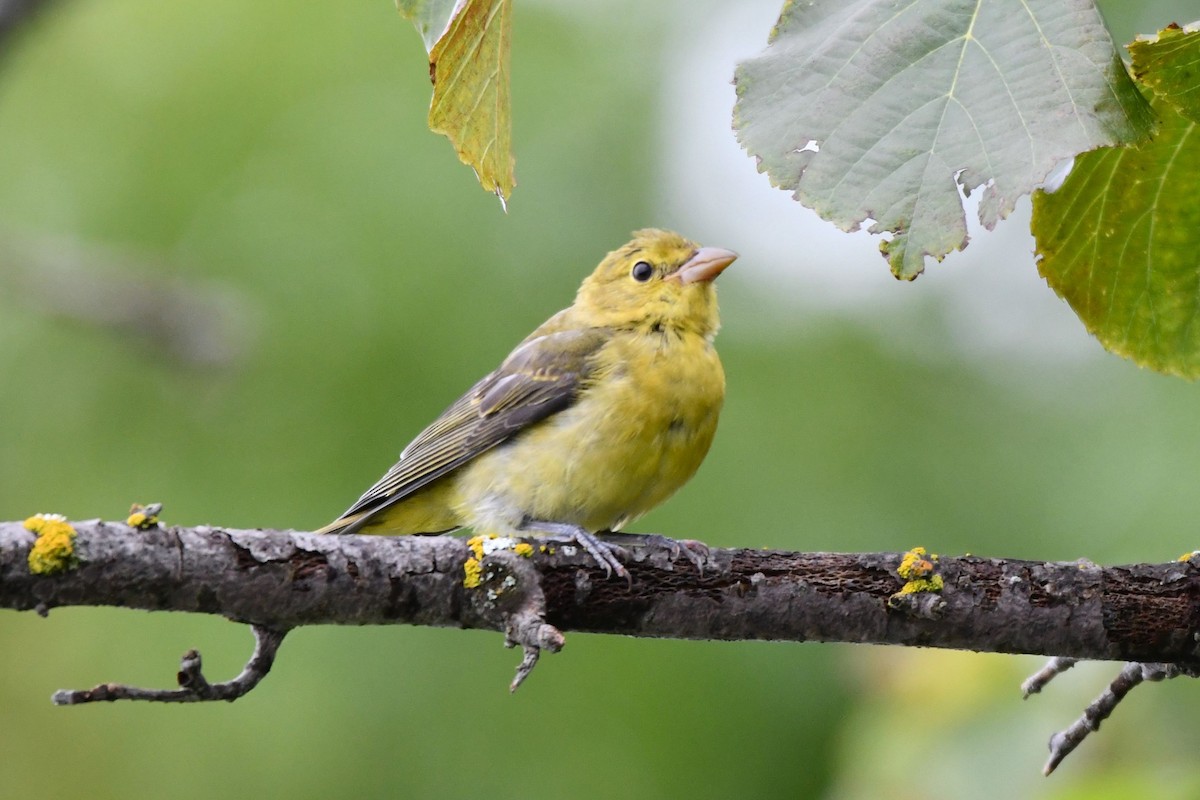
<point x="193" y="686"/>
<point x="531" y="632"/>
<point x="510" y="589"/>
<point x="1133" y="673"/>
<point x="1038" y="680"/>
<point x="528" y="662"/>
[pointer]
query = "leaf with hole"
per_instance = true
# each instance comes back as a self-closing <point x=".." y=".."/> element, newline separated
<point x="876" y="109"/>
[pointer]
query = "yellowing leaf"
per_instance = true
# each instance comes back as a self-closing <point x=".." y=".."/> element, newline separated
<point x="1170" y="65"/>
<point x="469" y="45"/>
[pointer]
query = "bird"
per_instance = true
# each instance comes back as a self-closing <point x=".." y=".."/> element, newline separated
<point x="596" y="417"/>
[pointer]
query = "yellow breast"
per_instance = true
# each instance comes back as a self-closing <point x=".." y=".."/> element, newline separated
<point x="636" y="434"/>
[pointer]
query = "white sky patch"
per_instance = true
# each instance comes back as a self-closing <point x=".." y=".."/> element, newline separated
<point x="1057" y="175"/>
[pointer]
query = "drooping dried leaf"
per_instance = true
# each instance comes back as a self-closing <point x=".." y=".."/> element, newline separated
<point x="469" y="46"/>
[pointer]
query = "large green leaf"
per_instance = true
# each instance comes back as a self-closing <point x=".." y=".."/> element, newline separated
<point x="1120" y="240"/>
<point x="874" y="108"/>
<point x="469" y="45"/>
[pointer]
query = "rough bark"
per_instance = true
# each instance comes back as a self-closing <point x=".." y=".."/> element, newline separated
<point x="285" y="579"/>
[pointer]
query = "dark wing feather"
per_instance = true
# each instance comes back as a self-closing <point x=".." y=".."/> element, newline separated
<point x="542" y="376"/>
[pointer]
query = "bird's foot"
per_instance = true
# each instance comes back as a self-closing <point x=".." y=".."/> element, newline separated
<point x="604" y="553"/>
<point x="693" y="550"/>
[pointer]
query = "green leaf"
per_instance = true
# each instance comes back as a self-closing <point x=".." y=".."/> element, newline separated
<point x="873" y="109"/>
<point x="468" y="63"/>
<point x="1170" y="65"/>
<point x="1120" y="242"/>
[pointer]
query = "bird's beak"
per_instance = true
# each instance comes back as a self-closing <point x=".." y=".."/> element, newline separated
<point x="706" y="264"/>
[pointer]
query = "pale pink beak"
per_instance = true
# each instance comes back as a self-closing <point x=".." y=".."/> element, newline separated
<point x="706" y="264"/>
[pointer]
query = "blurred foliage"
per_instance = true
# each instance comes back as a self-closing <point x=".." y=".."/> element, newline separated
<point x="278" y="152"/>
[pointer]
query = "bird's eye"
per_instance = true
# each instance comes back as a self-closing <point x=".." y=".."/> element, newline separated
<point x="642" y="271"/>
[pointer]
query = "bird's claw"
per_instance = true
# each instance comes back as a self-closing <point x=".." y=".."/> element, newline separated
<point x="604" y="553"/>
<point x="693" y="550"/>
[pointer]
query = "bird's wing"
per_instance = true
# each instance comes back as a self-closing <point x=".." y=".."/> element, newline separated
<point x="542" y="376"/>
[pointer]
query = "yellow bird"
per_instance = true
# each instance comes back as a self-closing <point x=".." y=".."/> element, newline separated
<point x="595" y="418"/>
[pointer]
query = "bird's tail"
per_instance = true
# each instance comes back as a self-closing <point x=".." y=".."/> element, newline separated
<point x="347" y="524"/>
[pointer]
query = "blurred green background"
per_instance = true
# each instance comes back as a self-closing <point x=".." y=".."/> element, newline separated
<point x="328" y="278"/>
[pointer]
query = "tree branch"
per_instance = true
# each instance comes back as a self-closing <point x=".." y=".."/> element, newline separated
<point x="285" y="579"/>
<point x="1147" y="614"/>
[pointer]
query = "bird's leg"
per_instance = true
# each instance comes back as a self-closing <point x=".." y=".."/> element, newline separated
<point x="605" y="554"/>
<point x="695" y="551"/>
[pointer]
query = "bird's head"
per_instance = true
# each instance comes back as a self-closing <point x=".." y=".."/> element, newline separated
<point x="658" y="280"/>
